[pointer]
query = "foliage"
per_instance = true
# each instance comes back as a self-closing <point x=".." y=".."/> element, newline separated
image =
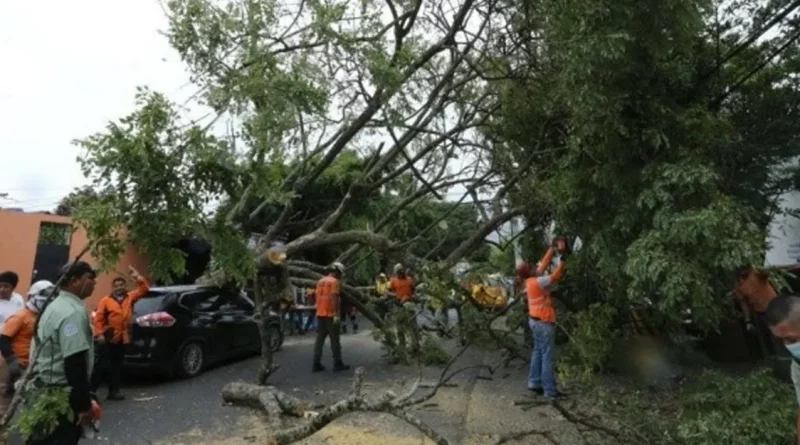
<point x="41" y="416"/>
<point x="74" y="199"/>
<point x="713" y="408"/>
<point x="432" y="353"/>
<point x="667" y="185"/>
<point x="158" y="179"/>
<point x="54" y="234"/>
<point x="593" y="335"/>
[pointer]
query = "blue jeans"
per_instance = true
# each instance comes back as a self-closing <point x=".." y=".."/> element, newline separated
<point x="542" y="373"/>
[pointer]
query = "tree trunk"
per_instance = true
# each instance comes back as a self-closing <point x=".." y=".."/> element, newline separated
<point x="262" y="321"/>
<point x="271" y="284"/>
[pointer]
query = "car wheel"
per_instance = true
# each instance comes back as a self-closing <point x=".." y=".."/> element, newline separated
<point x="276" y="337"/>
<point x="191" y="360"/>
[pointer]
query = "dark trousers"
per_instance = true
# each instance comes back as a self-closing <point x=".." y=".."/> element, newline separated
<point x="325" y="328"/>
<point x="66" y="433"/>
<point x="108" y="369"/>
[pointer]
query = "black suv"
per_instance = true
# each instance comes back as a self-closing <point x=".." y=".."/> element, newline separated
<point x="183" y="329"/>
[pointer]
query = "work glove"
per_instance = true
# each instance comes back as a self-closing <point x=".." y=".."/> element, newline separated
<point x="336" y="320"/>
<point x="15" y="369"/>
<point x="749" y="326"/>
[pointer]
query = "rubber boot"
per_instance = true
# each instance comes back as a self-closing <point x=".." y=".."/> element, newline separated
<point x="340" y="367"/>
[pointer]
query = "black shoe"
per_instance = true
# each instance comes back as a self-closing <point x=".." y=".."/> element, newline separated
<point x="317" y="368"/>
<point x="115" y="396"/>
<point x="340" y="367"/>
<point x="355" y="329"/>
<point x="538" y="391"/>
<point x="558" y="396"/>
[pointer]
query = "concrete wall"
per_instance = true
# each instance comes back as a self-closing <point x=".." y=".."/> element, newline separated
<point x="19" y="237"/>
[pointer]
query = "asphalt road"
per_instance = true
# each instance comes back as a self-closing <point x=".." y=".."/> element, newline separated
<point x="157" y="408"/>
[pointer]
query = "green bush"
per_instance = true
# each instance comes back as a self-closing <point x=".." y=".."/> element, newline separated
<point x="736" y="410"/>
<point x="713" y="408"/>
<point x="593" y="335"/>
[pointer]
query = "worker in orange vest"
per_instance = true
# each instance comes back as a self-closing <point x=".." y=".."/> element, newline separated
<point x="403" y="287"/>
<point x="328" y="295"/>
<point x="542" y="321"/>
<point x="112" y="322"/>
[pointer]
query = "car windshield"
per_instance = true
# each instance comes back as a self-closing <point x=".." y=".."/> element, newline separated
<point x="152" y="302"/>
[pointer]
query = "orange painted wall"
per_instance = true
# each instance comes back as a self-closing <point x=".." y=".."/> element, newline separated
<point x="19" y="235"/>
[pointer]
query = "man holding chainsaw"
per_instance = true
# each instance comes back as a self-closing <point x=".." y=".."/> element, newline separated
<point x="542" y="319"/>
<point x="63" y="358"/>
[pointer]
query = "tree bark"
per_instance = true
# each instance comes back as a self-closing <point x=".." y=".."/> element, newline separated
<point x="268" y="399"/>
<point x="271" y="284"/>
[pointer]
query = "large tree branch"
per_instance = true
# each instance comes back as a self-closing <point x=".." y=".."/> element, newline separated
<point x="479" y="235"/>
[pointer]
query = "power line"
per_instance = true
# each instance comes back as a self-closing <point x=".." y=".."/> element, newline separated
<point x="752" y="39"/>
<point x="758" y="68"/>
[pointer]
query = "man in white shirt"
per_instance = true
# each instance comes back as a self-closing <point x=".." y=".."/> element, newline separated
<point x="10" y="301"/>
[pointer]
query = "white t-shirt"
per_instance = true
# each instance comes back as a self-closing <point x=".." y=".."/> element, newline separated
<point x="10" y="307"/>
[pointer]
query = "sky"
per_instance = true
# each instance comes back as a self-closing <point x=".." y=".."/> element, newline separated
<point x="70" y="68"/>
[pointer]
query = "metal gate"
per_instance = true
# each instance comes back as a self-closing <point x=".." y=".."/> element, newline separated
<point x="48" y="261"/>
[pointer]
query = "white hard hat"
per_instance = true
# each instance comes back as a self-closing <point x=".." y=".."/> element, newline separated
<point x="38" y="287"/>
<point x="398" y="267"/>
<point x="337" y="266"/>
<point x="37" y="295"/>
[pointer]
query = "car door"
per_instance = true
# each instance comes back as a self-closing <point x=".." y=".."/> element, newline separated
<point x="204" y="324"/>
<point x="241" y="312"/>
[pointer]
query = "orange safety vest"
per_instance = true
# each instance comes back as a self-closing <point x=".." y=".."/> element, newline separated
<point x="327" y="296"/>
<point x="402" y="287"/>
<point x="540" y="302"/>
<point x="118" y="315"/>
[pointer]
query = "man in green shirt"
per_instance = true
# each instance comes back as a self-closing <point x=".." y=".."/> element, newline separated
<point x="62" y="354"/>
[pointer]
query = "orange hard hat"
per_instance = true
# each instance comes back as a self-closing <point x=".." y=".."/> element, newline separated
<point x="523" y="270"/>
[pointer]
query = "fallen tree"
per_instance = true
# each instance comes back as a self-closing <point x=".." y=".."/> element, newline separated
<point x="394" y="85"/>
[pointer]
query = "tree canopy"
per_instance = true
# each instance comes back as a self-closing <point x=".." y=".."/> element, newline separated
<point x="661" y="134"/>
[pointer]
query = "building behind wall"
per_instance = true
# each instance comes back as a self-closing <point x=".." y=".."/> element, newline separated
<point x="36" y="245"/>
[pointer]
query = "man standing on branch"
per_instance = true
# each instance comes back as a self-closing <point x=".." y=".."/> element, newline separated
<point x="112" y="322"/>
<point x="542" y="321"/>
<point x="64" y="357"/>
<point x="328" y="295"/>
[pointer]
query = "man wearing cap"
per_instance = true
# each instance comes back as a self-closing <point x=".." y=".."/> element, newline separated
<point x="17" y="333"/>
<point x="63" y="357"/>
<point x="328" y="294"/>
